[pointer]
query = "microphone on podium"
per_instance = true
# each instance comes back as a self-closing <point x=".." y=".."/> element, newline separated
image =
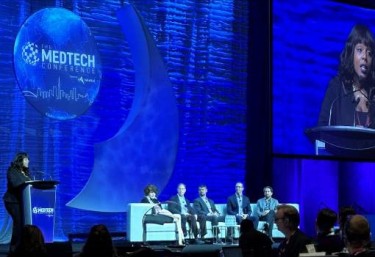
<point x="356" y="101"/>
<point x="41" y="173"/>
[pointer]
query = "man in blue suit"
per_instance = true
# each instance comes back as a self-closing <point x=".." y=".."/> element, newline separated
<point x="206" y="207"/>
<point x="239" y="205"/>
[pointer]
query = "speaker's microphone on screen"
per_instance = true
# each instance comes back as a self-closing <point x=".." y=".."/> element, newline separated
<point x="338" y="98"/>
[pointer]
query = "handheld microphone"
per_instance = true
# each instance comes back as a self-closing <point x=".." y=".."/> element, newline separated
<point x="339" y="97"/>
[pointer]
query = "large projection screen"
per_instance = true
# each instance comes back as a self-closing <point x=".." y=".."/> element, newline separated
<point x="308" y="38"/>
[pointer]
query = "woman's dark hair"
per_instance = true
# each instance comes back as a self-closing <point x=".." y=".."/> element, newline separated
<point x="344" y="213"/>
<point x="150" y="188"/>
<point x="358" y="34"/>
<point x="32" y="242"/>
<point x="99" y="243"/>
<point x="326" y="220"/>
<point x="17" y="163"/>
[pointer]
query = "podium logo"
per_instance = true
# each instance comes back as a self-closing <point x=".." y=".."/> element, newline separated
<point x="57" y="63"/>
<point x="41" y="210"/>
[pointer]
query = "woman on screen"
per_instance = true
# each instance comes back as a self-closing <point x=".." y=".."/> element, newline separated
<point x="349" y="99"/>
<point x="17" y="175"/>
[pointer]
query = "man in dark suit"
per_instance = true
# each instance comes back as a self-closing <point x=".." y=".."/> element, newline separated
<point x="239" y="205"/>
<point x="180" y="205"/>
<point x="206" y="207"/>
<point x="253" y="242"/>
<point x="287" y="219"/>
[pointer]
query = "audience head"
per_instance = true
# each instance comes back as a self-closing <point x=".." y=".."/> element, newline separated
<point x="325" y="221"/>
<point x="246" y="226"/>
<point x="344" y="212"/>
<point x="287" y="219"/>
<point x="32" y="242"/>
<point x="357" y="233"/>
<point x="150" y="190"/>
<point x="99" y="242"/>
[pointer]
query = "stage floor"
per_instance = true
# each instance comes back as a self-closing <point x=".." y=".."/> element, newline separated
<point x="125" y="248"/>
<point x="5" y="247"/>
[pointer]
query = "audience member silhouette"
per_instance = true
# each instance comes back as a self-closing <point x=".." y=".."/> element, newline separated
<point x="98" y="244"/>
<point x="326" y="240"/>
<point x="357" y="236"/>
<point x="344" y="212"/>
<point x="252" y="242"/>
<point x="287" y="219"/>
<point x="31" y="243"/>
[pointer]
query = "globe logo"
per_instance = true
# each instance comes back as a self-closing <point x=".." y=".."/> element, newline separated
<point x="30" y="53"/>
<point x="57" y="64"/>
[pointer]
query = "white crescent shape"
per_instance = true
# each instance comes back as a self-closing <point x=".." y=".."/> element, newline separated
<point x="144" y="149"/>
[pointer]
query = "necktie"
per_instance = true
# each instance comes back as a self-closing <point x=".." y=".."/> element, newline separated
<point x="184" y="208"/>
<point x="240" y="211"/>
<point x="208" y="205"/>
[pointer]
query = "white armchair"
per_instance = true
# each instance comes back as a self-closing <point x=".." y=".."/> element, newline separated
<point x="139" y="232"/>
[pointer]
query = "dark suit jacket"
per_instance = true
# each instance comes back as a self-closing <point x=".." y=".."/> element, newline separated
<point x="295" y="245"/>
<point x="175" y="207"/>
<point x="15" y="185"/>
<point x="201" y="207"/>
<point x="339" y="105"/>
<point x="255" y="243"/>
<point x="233" y="208"/>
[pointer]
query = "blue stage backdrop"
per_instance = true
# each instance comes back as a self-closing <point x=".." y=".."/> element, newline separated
<point x="203" y="45"/>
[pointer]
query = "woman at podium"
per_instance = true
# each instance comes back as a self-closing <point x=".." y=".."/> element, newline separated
<point x="17" y="175"/>
<point x="349" y="99"/>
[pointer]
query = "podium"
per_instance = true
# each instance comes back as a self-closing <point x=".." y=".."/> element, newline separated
<point x="343" y="141"/>
<point x="39" y="197"/>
